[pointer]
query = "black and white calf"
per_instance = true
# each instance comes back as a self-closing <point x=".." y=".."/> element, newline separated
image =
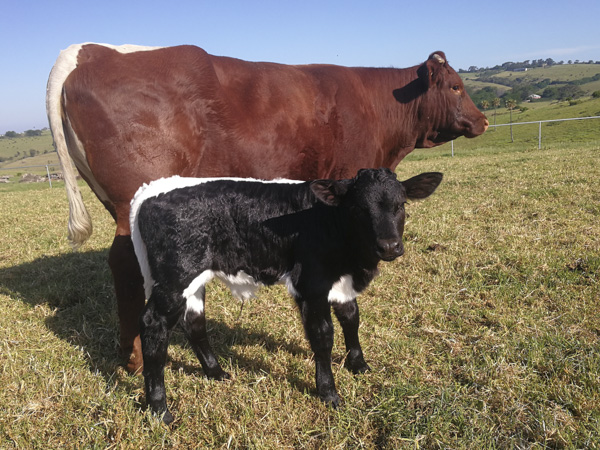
<point x="323" y="239"/>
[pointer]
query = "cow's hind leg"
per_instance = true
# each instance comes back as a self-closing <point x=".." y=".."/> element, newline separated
<point x="194" y="325"/>
<point x="316" y="317"/>
<point x="347" y="315"/>
<point x="129" y="289"/>
<point x="155" y="328"/>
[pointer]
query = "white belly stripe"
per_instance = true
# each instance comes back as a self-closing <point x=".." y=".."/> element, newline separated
<point x="342" y="290"/>
<point x="244" y="287"/>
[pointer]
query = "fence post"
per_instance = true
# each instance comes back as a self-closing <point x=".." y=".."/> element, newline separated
<point x="452" y="148"/>
<point x="48" y="173"/>
<point x="540" y="136"/>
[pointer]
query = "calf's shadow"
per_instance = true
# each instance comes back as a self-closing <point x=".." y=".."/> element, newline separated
<point x="79" y="286"/>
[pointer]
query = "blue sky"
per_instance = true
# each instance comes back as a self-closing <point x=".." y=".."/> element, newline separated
<point x="379" y="33"/>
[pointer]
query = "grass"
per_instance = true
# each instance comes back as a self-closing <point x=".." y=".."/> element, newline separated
<point x="486" y="334"/>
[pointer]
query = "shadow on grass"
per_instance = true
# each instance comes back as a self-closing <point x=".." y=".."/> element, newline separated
<point x="79" y="287"/>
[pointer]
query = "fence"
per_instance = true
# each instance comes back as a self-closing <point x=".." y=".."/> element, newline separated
<point x="47" y="166"/>
<point x="539" y="123"/>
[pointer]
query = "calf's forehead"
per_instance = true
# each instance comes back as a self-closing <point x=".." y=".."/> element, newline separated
<point x="375" y="192"/>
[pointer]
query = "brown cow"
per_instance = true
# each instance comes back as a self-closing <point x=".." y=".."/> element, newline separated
<point x="128" y="115"/>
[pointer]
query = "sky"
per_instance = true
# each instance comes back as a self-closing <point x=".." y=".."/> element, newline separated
<point x="376" y="33"/>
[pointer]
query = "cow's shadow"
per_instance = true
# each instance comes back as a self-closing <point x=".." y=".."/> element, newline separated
<point x="79" y="287"/>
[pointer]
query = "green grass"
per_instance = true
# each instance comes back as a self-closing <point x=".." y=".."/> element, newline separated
<point x="486" y="334"/>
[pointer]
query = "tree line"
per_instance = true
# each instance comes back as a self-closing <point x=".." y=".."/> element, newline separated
<point x="27" y="133"/>
<point x="527" y="64"/>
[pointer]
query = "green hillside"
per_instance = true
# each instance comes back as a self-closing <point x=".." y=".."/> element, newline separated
<point x="556" y="82"/>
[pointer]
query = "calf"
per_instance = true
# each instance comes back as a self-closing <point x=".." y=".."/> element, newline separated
<point x="323" y="239"/>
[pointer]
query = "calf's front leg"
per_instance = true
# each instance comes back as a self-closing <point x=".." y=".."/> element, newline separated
<point x="316" y="317"/>
<point x="347" y="315"/>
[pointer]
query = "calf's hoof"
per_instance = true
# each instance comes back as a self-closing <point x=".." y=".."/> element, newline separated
<point x="167" y="417"/>
<point x="332" y="400"/>
<point x="218" y="374"/>
<point x="357" y="367"/>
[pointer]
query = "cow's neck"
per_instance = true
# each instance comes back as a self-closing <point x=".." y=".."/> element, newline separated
<point x="395" y="100"/>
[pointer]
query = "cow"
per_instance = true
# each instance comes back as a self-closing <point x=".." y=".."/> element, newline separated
<point x="126" y="115"/>
<point x="324" y="239"/>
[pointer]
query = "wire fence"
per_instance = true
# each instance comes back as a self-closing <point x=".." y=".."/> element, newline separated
<point x="47" y="166"/>
<point x="492" y="127"/>
<point x="554" y="136"/>
<point x="540" y="122"/>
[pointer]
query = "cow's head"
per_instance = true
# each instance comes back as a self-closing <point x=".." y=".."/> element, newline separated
<point x="374" y="202"/>
<point x="445" y="109"/>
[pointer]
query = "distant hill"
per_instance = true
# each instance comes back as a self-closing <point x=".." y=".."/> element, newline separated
<point x="20" y="151"/>
<point x="555" y="82"/>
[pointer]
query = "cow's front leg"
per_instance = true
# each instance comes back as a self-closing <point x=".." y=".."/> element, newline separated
<point x="316" y="317"/>
<point x="129" y="289"/>
<point x="347" y="315"/>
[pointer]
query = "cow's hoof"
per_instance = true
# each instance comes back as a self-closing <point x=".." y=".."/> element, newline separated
<point x="132" y="354"/>
<point x="135" y="364"/>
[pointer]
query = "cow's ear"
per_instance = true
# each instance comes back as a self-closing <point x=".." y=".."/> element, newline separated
<point x="430" y="70"/>
<point x="422" y="186"/>
<point x="330" y="192"/>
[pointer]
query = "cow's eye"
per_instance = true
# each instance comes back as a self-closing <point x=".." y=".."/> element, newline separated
<point x="456" y="88"/>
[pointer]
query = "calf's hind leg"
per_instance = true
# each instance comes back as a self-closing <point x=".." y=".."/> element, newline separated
<point x="194" y="325"/>
<point x="155" y="328"/>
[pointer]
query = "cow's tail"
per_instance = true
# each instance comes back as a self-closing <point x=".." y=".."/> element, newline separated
<point x="80" y="222"/>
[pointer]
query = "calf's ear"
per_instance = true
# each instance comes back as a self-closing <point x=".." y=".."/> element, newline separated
<point x="330" y="192"/>
<point x="422" y="186"/>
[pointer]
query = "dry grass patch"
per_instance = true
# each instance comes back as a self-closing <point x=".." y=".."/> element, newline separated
<point x="484" y="335"/>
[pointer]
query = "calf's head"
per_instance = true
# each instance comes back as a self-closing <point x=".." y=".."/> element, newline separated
<point x="374" y="202"/>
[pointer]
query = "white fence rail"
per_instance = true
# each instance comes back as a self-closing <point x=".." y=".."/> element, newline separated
<point x="540" y="122"/>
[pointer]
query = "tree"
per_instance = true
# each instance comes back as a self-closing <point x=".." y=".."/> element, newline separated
<point x="485" y="104"/>
<point x="30" y="133"/>
<point x="10" y="134"/>
<point x="511" y="103"/>
<point x="495" y="103"/>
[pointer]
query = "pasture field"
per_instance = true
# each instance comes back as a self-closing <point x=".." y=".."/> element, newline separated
<point x="486" y="334"/>
<point x="558" y="74"/>
<point x="11" y="146"/>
